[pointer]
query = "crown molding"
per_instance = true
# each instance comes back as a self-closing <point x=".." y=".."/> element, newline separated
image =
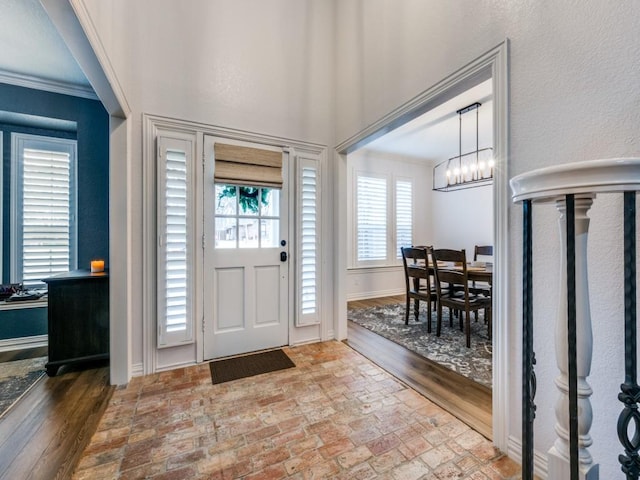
<point x="36" y="83"/>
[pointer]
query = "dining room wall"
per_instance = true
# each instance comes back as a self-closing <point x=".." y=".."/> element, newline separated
<point x="462" y="218"/>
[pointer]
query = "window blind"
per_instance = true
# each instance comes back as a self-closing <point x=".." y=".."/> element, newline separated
<point x="176" y="268"/>
<point x="404" y="214"/>
<point x="174" y="257"/>
<point x="309" y="241"/>
<point x="371" y="199"/>
<point x="308" y="233"/>
<point x="46" y="214"/>
<point x="237" y="165"/>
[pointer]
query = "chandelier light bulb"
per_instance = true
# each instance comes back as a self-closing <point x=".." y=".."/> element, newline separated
<point x="456" y="171"/>
<point x="491" y="162"/>
<point x="481" y="165"/>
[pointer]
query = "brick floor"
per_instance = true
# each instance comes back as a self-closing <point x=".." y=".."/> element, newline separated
<point x="336" y="415"/>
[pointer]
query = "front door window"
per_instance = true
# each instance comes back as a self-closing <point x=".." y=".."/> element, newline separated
<point x="246" y="217"/>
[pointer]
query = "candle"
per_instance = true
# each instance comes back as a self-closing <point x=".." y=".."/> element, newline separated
<point x="97" y="266"/>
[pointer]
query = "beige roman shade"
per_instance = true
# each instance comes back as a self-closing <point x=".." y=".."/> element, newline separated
<point x="247" y="166"/>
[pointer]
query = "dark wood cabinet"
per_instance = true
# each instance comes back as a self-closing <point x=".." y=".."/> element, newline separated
<point x="78" y="318"/>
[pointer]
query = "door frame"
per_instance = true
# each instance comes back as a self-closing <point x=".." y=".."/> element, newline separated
<point x="159" y="359"/>
<point x="493" y="64"/>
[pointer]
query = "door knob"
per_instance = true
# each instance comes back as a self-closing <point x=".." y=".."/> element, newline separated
<point x="283" y="256"/>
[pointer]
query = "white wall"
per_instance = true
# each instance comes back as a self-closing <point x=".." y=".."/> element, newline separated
<point x="269" y="67"/>
<point x="463" y="218"/>
<point x="573" y="96"/>
<point x="261" y="67"/>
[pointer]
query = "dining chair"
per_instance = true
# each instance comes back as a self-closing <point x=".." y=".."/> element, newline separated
<point x="417" y="275"/>
<point x="457" y="296"/>
<point x="481" y="288"/>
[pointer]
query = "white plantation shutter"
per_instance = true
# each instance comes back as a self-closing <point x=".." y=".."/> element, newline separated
<point x="404" y="212"/>
<point x="175" y="242"/>
<point x="308" y="234"/>
<point x="45" y="199"/>
<point x="371" y="210"/>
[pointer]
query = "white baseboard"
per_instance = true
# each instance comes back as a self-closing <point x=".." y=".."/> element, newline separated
<point x="137" y="370"/>
<point x="23" y="342"/>
<point x="539" y="459"/>
<point x="380" y="293"/>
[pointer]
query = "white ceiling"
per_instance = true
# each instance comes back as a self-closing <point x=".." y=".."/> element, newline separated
<point x="434" y="135"/>
<point x="32" y="47"/>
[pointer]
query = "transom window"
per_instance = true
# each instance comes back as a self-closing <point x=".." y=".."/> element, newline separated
<point x="247" y="217"/>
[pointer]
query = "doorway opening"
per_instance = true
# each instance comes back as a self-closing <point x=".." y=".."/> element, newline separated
<point x="356" y="279"/>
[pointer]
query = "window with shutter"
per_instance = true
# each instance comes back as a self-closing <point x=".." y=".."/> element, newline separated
<point x="44" y="217"/>
<point x="404" y="214"/>
<point x="383" y="211"/>
<point x="175" y="242"/>
<point x="308" y="235"/>
<point x="371" y="208"/>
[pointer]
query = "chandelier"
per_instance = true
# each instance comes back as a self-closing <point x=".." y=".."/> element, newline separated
<point x="466" y="170"/>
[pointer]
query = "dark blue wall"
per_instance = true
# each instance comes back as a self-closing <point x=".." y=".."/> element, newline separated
<point x="93" y="165"/>
<point x="23" y="322"/>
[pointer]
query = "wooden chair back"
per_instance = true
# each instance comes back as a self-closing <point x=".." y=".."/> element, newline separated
<point x="456" y="279"/>
<point x="482" y="250"/>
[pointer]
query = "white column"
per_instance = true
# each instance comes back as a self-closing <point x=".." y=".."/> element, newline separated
<point x="558" y="455"/>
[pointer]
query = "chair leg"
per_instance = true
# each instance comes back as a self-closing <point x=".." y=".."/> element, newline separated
<point x="416" y="309"/>
<point x="489" y="321"/>
<point x="429" y="315"/>
<point x="406" y="312"/>
<point x="467" y="319"/>
<point x="439" y="322"/>
<point x="450" y="318"/>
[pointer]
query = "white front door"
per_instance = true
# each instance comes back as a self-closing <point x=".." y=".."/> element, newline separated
<point x="246" y="280"/>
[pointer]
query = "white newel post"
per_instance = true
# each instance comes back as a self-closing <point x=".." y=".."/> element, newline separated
<point x="559" y="454"/>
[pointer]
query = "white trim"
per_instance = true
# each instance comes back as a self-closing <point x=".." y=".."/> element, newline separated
<point x="72" y="20"/>
<point x="152" y="125"/>
<point x="585" y="177"/>
<point x="137" y="370"/>
<point x="494" y="61"/>
<point x="41" y="302"/>
<point x="375" y="294"/>
<point x="21" y="343"/>
<point x="514" y="451"/>
<point x="53" y="86"/>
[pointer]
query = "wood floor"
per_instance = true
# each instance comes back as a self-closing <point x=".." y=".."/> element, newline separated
<point x="44" y="434"/>
<point x="467" y="400"/>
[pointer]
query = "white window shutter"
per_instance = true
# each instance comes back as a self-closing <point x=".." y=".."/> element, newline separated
<point x="308" y="284"/>
<point x="44" y="238"/>
<point x="371" y="212"/>
<point x="175" y="241"/>
<point x="404" y="216"/>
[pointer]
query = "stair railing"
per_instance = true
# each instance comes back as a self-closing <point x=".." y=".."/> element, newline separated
<point x="573" y="188"/>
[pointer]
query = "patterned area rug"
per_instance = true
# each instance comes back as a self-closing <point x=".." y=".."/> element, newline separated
<point x="17" y="378"/>
<point x="449" y="350"/>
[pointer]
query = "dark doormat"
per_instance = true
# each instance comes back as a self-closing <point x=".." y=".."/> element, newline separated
<point x="249" y="365"/>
